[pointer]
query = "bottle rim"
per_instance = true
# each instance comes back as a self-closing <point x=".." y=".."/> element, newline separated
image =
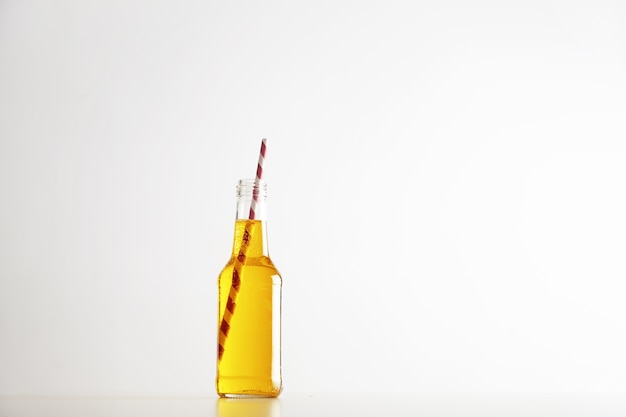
<point x="250" y="186"/>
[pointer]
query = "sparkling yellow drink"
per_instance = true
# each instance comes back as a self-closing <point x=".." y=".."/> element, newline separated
<point x="249" y="349"/>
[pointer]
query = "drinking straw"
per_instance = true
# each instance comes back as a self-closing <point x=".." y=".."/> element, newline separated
<point x="229" y="310"/>
<point x="257" y="180"/>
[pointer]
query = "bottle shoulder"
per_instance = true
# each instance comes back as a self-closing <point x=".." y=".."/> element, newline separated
<point x="258" y="266"/>
<point x="253" y="261"/>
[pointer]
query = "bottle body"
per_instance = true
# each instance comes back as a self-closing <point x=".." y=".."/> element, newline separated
<point x="249" y="317"/>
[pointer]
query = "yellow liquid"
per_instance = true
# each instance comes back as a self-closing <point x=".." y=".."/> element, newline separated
<point x="250" y="364"/>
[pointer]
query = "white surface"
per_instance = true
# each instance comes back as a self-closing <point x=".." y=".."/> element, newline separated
<point x="330" y="405"/>
<point x="446" y="186"/>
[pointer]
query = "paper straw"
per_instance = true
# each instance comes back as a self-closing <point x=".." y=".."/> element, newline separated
<point x="257" y="180"/>
<point x="229" y="310"/>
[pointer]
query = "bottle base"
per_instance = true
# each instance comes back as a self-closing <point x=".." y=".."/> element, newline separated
<point x="249" y="396"/>
<point x="247" y="387"/>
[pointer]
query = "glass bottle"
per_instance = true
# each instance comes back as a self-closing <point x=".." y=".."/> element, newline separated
<point x="249" y="307"/>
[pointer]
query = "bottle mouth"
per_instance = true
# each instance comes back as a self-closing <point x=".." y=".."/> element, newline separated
<point x="250" y="187"/>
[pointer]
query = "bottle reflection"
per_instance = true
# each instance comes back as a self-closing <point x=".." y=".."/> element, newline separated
<point x="248" y="407"/>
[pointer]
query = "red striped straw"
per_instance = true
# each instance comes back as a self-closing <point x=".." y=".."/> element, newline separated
<point x="257" y="180"/>
<point x="229" y="309"/>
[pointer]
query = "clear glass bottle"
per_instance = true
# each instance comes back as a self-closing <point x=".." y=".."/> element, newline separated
<point x="249" y="315"/>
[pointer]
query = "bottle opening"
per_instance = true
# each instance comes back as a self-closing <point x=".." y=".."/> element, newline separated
<point x="249" y="187"/>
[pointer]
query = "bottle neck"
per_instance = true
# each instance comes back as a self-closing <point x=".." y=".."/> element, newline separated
<point x="247" y="205"/>
<point x="250" y="239"/>
<point x="250" y="224"/>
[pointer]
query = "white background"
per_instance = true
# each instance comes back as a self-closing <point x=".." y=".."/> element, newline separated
<point x="446" y="191"/>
